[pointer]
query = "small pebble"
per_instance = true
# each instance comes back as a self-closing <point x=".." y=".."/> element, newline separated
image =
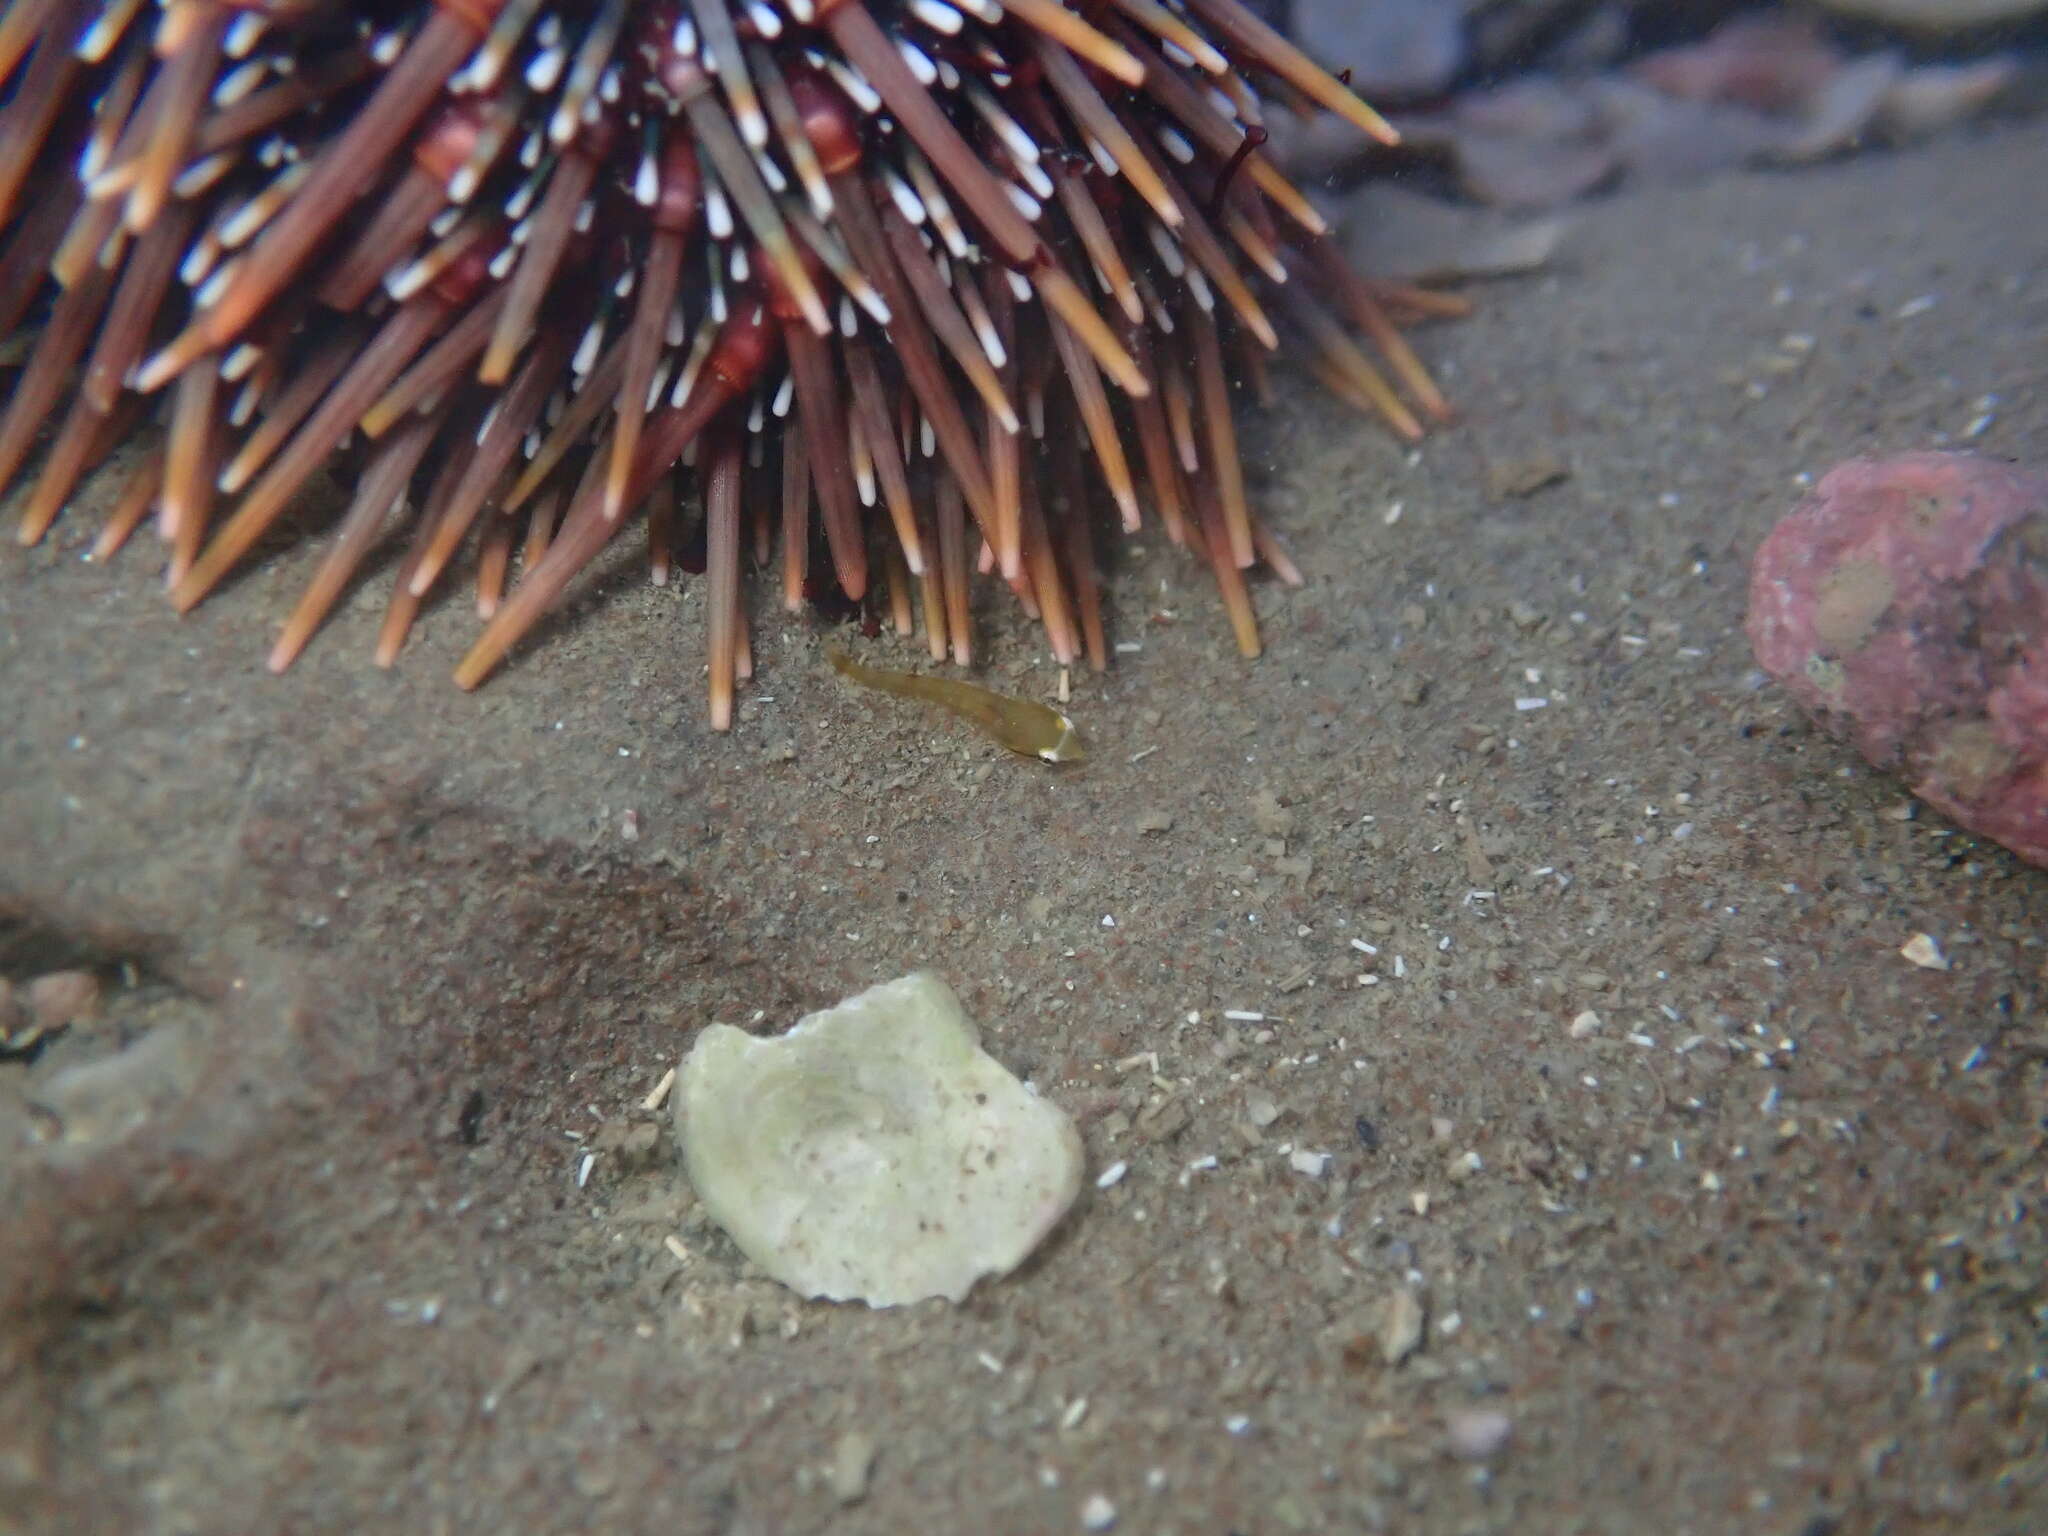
<point x="1924" y="952"/>
<point x="1314" y="1164"/>
<point x="1401" y="1324"/>
<point x="49" y="1003"/>
<point x="62" y="998"/>
<point x="1098" y="1514"/>
<point x="852" y="1463"/>
<point x="1477" y="1434"/>
<point x="1524" y="477"/>
<point x="1271" y="817"/>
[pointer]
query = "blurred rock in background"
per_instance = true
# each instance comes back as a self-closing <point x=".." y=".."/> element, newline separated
<point x="1937" y="15"/>
<point x="1533" y="103"/>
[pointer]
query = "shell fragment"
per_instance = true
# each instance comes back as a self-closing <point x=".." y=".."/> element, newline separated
<point x="875" y="1152"/>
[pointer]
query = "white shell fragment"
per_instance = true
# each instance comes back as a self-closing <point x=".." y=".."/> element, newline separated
<point x="1925" y="951"/>
<point x="875" y="1152"/>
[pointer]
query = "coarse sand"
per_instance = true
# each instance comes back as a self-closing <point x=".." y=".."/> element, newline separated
<point x="1498" y="939"/>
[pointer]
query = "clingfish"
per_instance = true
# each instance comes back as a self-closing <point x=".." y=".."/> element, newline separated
<point x="1023" y="725"/>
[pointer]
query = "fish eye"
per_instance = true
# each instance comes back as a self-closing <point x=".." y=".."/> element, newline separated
<point x="1068" y="748"/>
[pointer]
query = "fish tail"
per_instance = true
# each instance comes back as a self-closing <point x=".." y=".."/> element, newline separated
<point x="902" y="684"/>
<point x="842" y="663"/>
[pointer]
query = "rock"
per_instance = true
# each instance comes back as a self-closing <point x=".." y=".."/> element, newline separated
<point x="632" y="1146"/>
<point x="1270" y="816"/>
<point x="1904" y="605"/>
<point x="51" y="1002"/>
<point x="853" y="1462"/>
<point x="1924" y="951"/>
<point x="1937" y="15"/>
<point x="1401" y="1325"/>
<point x="1771" y="62"/>
<point x="1668" y="139"/>
<point x="1816" y="99"/>
<point x="1761" y="88"/>
<point x="17" y="1028"/>
<point x="1477" y="1434"/>
<point x="1509" y="36"/>
<point x="101" y="1100"/>
<point x="1312" y="1164"/>
<point x="875" y="1152"/>
<point x="62" y="998"/>
<point x="1395" y="49"/>
<point x="1528" y="107"/>
<point x="1840" y="114"/>
<point x="1522" y="477"/>
<point x="1934" y="96"/>
<point x="1532" y="143"/>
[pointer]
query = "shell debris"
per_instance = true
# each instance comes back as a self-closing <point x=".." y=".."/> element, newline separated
<point x="875" y="1152"/>
<point x="1924" y="951"/>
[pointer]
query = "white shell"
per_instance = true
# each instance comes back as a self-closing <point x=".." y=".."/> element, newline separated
<point x="875" y="1152"/>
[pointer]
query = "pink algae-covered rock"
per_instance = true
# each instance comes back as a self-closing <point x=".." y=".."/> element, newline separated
<point x="1904" y="604"/>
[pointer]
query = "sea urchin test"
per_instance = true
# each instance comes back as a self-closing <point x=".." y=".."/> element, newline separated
<point x="813" y="282"/>
<point x="875" y="1152"/>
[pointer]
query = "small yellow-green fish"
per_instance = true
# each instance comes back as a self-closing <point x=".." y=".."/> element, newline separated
<point x="1024" y="726"/>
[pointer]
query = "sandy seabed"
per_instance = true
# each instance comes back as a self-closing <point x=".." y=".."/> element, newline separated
<point x="350" y="1217"/>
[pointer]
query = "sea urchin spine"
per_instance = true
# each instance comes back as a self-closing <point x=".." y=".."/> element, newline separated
<point x="525" y="264"/>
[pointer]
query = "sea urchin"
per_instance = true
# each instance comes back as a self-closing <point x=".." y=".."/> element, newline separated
<point x="535" y="267"/>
